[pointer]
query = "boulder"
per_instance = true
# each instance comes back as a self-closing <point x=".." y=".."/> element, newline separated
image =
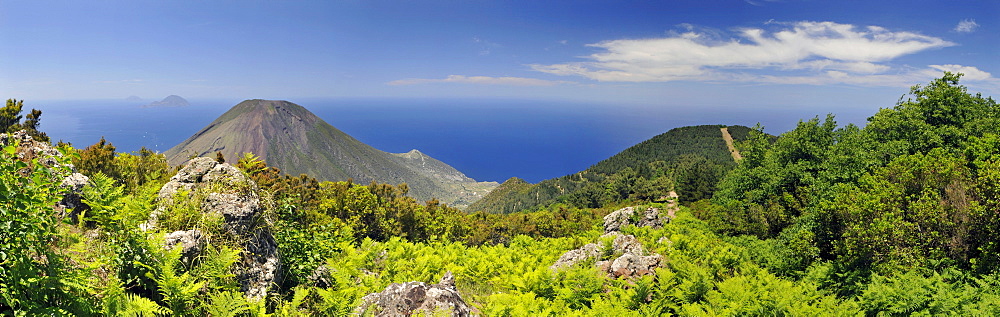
<point x="223" y="190"/>
<point x="405" y="299"/>
<point x="72" y="202"/>
<point x="615" y="221"/>
<point x="571" y="257"/>
<point x="632" y="264"/>
<point x="627" y="257"/>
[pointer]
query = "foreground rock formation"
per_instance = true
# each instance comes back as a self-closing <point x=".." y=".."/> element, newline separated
<point x="624" y="256"/>
<point x="405" y="299"/>
<point x="28" y="149"/>
<point x="220" y="189"/>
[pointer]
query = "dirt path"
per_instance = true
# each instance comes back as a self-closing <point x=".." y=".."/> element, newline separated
<point x="729" y="143"/>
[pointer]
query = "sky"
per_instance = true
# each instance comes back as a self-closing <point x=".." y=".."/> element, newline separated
<point x="754" y="54"/>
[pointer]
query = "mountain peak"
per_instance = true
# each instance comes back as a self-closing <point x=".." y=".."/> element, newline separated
<point x="293" y="139"/>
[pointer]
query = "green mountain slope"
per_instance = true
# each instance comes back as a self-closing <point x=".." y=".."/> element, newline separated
<point x="289" y="137"/>
<point x="688" y="158"/>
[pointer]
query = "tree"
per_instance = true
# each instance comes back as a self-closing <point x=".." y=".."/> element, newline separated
<point x="10" y="120"/>
<point x="97" y="158"/>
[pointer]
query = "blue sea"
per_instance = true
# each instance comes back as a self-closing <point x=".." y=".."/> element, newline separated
<point x="487" y="139"/>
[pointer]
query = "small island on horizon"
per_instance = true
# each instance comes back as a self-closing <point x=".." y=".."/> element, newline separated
<point x="169" y="101"/>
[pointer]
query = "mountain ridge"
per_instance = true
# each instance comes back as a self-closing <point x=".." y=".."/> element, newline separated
<point x="685" y="152"/>
<point x="295" y="140"/>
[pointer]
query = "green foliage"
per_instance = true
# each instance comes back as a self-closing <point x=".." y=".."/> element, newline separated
<point x="97" y="158"/>
<point x="34" y="278"/>
<point x="178" y="291"/>
<point x="227" y="304"/>
<point x="127" y="304"/>
<point x="10" y="120"/>
<point x="921" y="292"/>
<point x="690" y="160"/>
<point x="132" y="170"/>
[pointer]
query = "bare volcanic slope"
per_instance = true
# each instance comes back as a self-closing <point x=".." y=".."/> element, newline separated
<point x="291" y="138"/>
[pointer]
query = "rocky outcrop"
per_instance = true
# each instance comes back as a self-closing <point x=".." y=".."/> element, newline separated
<point x="405" y="299"/>
<point x="43" y="153"/>
<point x="650" y="217"/>
<point x="630" y="265"/>
<point x="223" y="190"/>
<point x="589" y="251"/>
<point x="624" y="256"/>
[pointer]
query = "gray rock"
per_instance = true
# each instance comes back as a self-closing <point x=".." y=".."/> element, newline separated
<point x="190" y="241"/>
<point x="615" y="221"/>
<point x="625" y="244"/>
<point x="29" y="149"/>
<point x="72" y="201"/>
<point x="320" y="277"/>
<point x="631" y="265"/>
<point x="629" y="259"/>
<point x="405" y="299"/>
<point x="572" y="257"/>
<point x="222" y="190"/>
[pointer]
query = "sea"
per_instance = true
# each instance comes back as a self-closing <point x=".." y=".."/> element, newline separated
<point x="487" y="139"/>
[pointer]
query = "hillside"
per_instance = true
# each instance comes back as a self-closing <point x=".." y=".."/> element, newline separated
<point x="692" y="157"/>
<point x="291" y="138"/>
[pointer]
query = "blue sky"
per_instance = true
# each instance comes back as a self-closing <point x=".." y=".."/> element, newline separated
<point x="823" y="55"/>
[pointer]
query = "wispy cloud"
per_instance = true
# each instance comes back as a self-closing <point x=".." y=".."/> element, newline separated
<point x="485" y="47"/>
<point x="966" y="26"/>
<point x="798" y="52"/>
<point x="123" y="81"/>
<point x="483" y="80"/>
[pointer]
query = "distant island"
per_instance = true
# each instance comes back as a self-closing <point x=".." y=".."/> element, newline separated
<point x="133" y="98"/>
<point x="169" y="101"/>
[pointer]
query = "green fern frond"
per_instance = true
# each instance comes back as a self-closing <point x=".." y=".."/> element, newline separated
<point x="134" y="305"/>
<point x="227" y="304"/>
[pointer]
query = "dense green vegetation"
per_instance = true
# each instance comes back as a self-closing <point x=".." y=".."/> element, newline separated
<point x="896" y="218"/>
<point x="690" y="160"/>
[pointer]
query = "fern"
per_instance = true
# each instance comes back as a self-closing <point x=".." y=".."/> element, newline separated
<point x="104" y="200"/>
<point x="178" y="291"/>
<point x="292" y="308"/>
<point x="214" y="267"/>
<point x="138" y="306"/>
<point x="336" y="303"/>
<point x="227" y="304"/>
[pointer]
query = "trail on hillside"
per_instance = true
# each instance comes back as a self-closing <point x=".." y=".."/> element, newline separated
<point x="729" y="143"/>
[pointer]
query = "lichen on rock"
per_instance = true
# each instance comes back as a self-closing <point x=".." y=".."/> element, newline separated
<point x="222" y="191"/>
<point x="405" y="299"/>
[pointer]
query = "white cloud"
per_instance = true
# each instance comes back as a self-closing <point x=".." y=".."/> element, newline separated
<point x="793" y="52"/>
<point x="966" y="26"/>
<point x="905" y="78"/>
<point x="484" y="80"/>
<point x="971" y="73"/>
